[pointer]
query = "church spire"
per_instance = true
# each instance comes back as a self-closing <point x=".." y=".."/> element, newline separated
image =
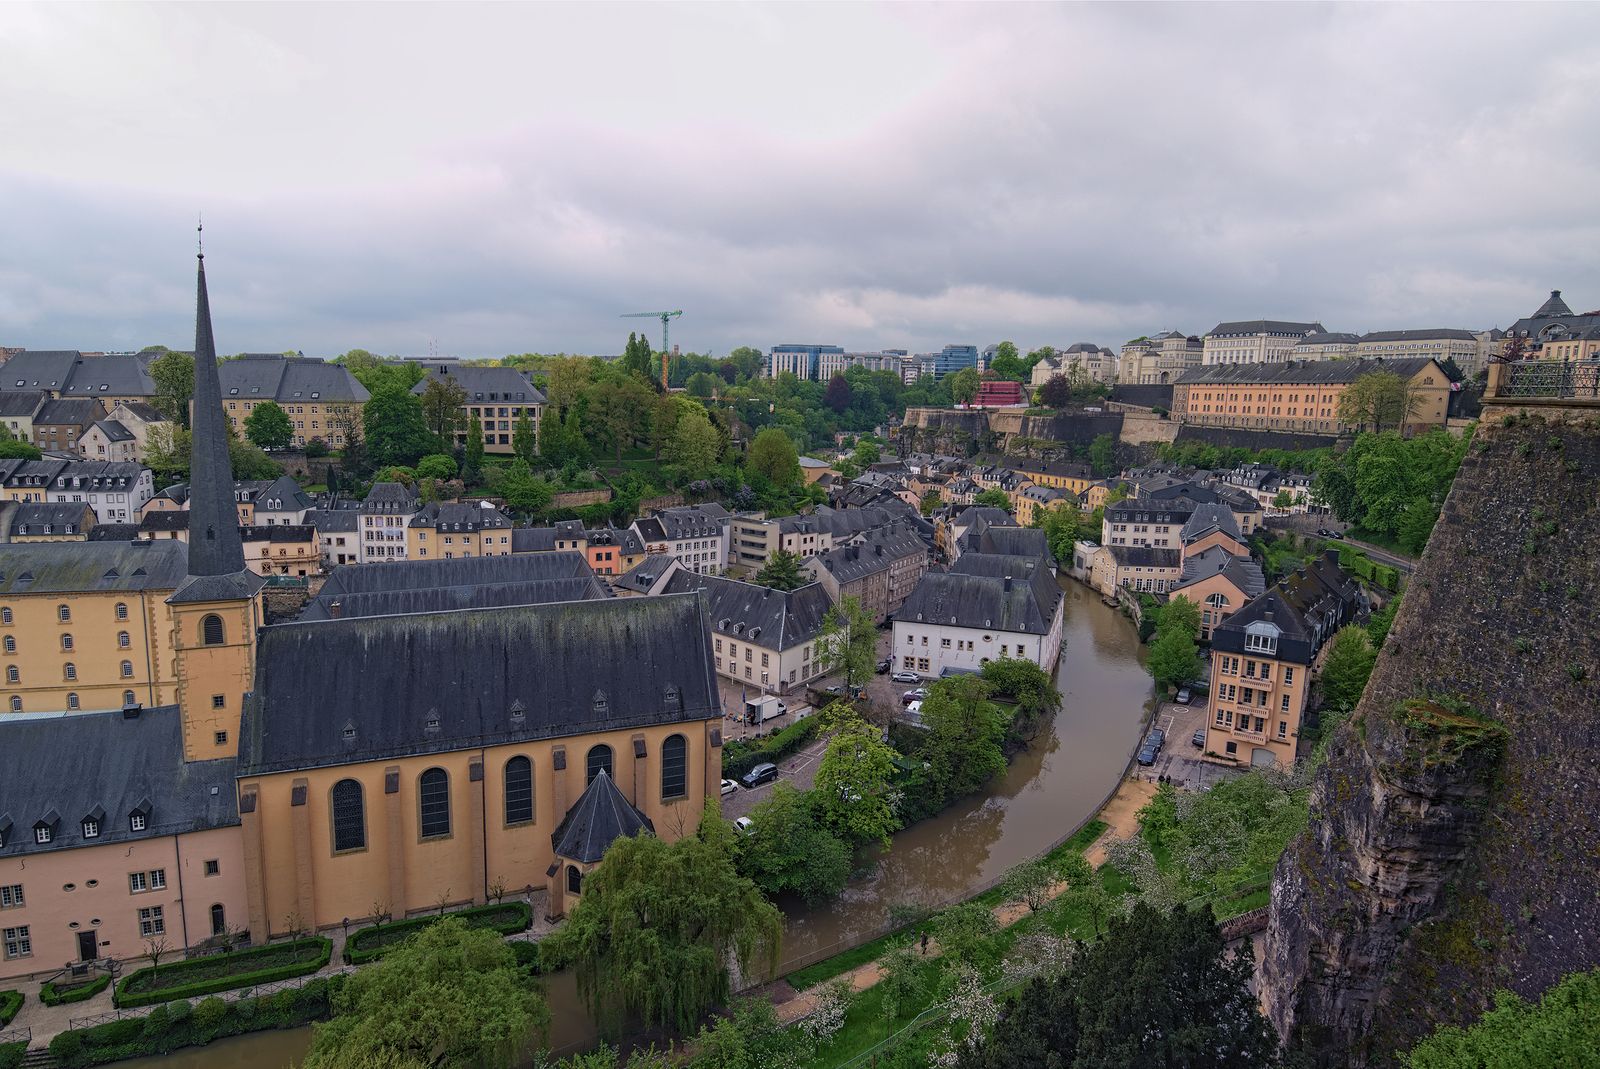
<point x="214" y="547"/>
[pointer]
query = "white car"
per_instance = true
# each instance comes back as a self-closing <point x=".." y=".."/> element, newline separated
<point x="906" y="677"/>
<point x="728" y="787"/>
<point x="744" y="826"/>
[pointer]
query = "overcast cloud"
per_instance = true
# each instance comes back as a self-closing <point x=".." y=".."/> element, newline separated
<point x="506" y="178"/>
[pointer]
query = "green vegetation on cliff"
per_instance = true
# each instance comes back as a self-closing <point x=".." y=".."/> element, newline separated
<point x="1561" y="1030"/>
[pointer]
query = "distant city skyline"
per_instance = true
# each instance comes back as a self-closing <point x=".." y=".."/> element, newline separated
<point x="499" y="179"/>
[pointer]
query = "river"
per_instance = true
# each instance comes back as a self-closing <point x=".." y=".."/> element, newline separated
<point x="1047" y="791"/>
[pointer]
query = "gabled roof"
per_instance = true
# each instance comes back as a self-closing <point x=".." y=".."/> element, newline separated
<point x="113" y="430"/>
<point x="1208" y="517"/>
<point x="533" y="540"/>
<point x="484" y="384"/>
<point x="461" y="572"/>
<point x="646" y="576"/>
<point x="1437" y="333"/>
<point x="75" y="410"/>
<point x="1306" y="606"/>
<point x="692" y="521"/>
<point x="284" y="379"/>
<point x="119" y="375"/>
<point x="777" y="619"/>
<point x="14" y="403"/>
<point x="1311" y="372"/>
<point x="975" y="594"/>
<point x="599" y="817"/>
<point x="459" y="516"/>
<point x="68" y="765"/>
<point x="374" y="688"/>
<point x="114" y="532"/>
<point x="333" y="521"/>
<point x="391" y="498"/>
<point x="40" y="369"/>
<point x="1145" y="557"/>
<point x="1244" y="573"/>
<point x="1243" y="327"/>
<point x="1329" y="338"/>
<point x="35" y="518"/>
<point x="81" y="567"/>
<point x="873" y="552"/>
<point x="143" y="411"/>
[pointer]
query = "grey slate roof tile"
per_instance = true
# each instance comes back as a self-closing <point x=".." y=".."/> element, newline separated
<point x="599" y="817"/>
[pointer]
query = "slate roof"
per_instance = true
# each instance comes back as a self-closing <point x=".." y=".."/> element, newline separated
<point x="271" y="377"/>
<point x="1329" y="338"/>
<point x="114" y="532"/>
<point x="1420" y="335"/>
<point x="1145" y="557"/>
<point x="777" y="619"/>
<point x="163" y="520"/>
<point x="450" y="598"/>
<point x="98" y="475"/>
<point x="644" y="575"/>
<point x="14" y="403"/>
<point x="1063" y="468"/>
<point x="71" y="766"/>
<point x="692" y="521"/>
<point x="1553" y="306"/>
<point x="1245" y="327"/>
<point x="374" y="688"/>
<point x="534" y="540"/>
<point x="839" y="523"/>
<point x="459" y="572"/>
<point x="114" y="430"/>
<point x="484" y="383"/>
<point x="1242" y="572"/>
<point x="1310" y="372"/>
<point x="80" y="411"/>
<point x="1307" y="606"/>
<point x="599" y="817"/>
<point x="1208" y="517"/>
<point x="333" y="521"/>
<point x="144" y="411"/>
<point x="391" y="498"/>
<point x="1029" y="542"/>
<point x="216" y="549"/>
<point x="458" y="516"/>
<point x="120" y="375"/>
<point x="40" y="369"/>
<point x="278" y="532"/>
<point x="32" y="518"/>
<point x="973" y="594"/>
<point x="79" y="567"/>
<point x="876" y="551"/>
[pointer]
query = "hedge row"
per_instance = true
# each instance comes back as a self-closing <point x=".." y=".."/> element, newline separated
<point x="11" y="1054"/>
<point x="180" y="1024"/>
<point x="189" y="979"/>
<point x="10" y="1003"/>
<point x="374" y="941"/>
<point x="740" y="756"/>
<point x="51" y="995"/>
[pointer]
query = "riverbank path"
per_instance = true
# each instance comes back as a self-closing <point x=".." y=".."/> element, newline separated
<point x="1121" y="818"/>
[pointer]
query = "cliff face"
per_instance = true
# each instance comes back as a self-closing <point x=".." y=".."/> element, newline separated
<point x="1454" y="844"/>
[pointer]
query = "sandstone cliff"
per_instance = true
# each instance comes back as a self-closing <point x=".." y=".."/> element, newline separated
<point x="1454" y="844"/>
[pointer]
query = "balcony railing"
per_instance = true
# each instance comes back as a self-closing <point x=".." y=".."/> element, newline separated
<point x="1569" y="379"/>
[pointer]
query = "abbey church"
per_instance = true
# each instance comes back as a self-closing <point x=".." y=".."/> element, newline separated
<point x="440" y="732"/>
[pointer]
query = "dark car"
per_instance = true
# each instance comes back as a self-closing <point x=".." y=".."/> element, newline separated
<point x="762" y="773"/>
<point x="1336" y="535"/>
<point x="883" y="665"/>
<point x="1152" y="746"/>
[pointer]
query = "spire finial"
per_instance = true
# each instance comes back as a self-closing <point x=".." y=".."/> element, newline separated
<point x="200" y="235"/>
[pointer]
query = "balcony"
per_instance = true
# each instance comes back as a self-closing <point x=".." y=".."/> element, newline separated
<point x="1545" y="383"/>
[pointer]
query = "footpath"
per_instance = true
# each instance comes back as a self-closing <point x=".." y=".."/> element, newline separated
<point x="1121" y="818"/>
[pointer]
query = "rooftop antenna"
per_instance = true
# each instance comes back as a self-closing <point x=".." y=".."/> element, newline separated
<point x="200" y="234"/>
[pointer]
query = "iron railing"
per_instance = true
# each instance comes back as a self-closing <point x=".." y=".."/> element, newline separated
<point x="16" y="1035"/>
<point x="1576" y="379"/>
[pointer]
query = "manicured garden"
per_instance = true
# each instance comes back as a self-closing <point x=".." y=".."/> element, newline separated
<point x="223" y="972"/>
<point x="61" y="994"/>
<point x="10" y="1003"/>
<point x="373" y="942"/>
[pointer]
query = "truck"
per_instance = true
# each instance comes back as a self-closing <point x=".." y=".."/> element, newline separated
<point x="760" y="710"/>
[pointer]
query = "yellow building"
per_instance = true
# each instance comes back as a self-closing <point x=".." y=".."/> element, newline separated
<point x="1301" y="397"/>
<point x="393" y="763"/>
<point x="1056" y="474"/>
<point x="497" y="396"/>
<point x="45" y="521"/>
<point x="452" y="530"/>
<point x="321" y="399"/>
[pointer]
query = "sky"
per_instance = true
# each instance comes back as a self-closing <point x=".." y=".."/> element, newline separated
<point x="482" y="180"/>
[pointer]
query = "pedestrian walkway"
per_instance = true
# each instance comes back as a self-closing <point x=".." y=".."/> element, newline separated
<point x="1121" y="818"/>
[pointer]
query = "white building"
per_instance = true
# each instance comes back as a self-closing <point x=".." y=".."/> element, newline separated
<point x="384" y="516"/>
<point x="1255" y="341"/>
<point x="695" y="534"/>
<point x="115" y="491"/>
<point x="768" y="640"/>
<point x="988" y="606"/>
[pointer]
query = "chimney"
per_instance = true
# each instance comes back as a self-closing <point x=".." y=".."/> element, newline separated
<point x="131" y="711"/>
<point x="336" y="610"/>
<point x="1008" y="583"/>
<point x="879" y="547"/>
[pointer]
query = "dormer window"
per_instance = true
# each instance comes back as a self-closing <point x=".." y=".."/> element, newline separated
<point x="138" y="821"/>
<point x="91" y="829"/>
<point x="42" y="833"/>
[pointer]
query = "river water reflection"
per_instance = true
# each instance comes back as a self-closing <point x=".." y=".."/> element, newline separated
<point x="1046" y="792"/>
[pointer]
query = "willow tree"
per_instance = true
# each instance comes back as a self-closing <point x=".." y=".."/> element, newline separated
<point x="658" y="924"/>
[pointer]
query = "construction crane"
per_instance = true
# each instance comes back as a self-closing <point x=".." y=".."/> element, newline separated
<point x="666" y="352"/>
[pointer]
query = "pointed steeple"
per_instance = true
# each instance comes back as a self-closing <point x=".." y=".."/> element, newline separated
<point x="214" y="546"/>
<point x="1555" y="306"/>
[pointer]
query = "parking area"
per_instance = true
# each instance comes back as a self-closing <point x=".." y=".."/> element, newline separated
<point x="1180" y="760"/>
<point x="798" y="770"/>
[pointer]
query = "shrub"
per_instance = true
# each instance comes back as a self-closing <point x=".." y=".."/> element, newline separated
<point x="11" y="1054"/>
<point x="527" y="955"/>
<point x="740" y="756"/>
<point x="374" y="941"/>
<point x="222" y="972"/>
<point x="10" y="1003"/>
<point x="51" y="995"/>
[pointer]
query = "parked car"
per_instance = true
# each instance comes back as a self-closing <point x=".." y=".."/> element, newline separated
<point x="765" y="772"/>
<point x="835" y="691"/>
<point x="1184" y="696"/>
<point x="1152" y="746"/>
<point x="905" y="677"/>
<point x="1199" y="739"/>
<point x="1336" y="535"/>
<point x="728" y="787"/>
<point x="913" y="695"/>
<point x="915" y="709"/>
<point x="883" y="665"/>
<point x="745" y="826"/>
<point x="1322" y="532"/>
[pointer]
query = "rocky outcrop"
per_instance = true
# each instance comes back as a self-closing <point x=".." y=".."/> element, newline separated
<point x="1454" y="843"/>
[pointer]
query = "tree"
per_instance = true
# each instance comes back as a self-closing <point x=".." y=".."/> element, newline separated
<point x="963" y="932"/>
<point x="618" y="413"/>
<point x="994" y="498"/>
<point x="1029" y="883"/>
<point x="902" y="983"/>
<point x="1378" y="623"/>
<point x="1160" y="989"/>
<point x="450" y="996"/>
<point x="1416" y="524"/>
<point x="773" y="455"/>
<point x="853" y="791"/>
<point x="702" y="384"/>
<point x="837" y="395"/>
<point x="965" y="730"/>
<point x="849" y="640"/>
<point x="249" y="462"/>
<point x="155" y="949"/>
<point x="269" y="426"/>
<point x="437" y="466"/>
<point x="1056" y="392"/>
<point x="781" y="572"/>
<point x="1007" y="364"/>
<point x="658" y="923"/>
<point x="1030" y="686"/>
<point x="750" y="1037"/>
<point x="1179" y="614"/>
<point x="442" y="400"/>
<point x="788" y="851"/>
<point x="695" y="444"/>
<point x="522" y="438"/>
<point x="1086" y="894"/>
<point x="15" y="450"/>
<point x="1350" y="659"/>
<point x="1562" y="1028"/>
<point x="396" y="433"/>
<point x="1378" y="399"/>
<point x="472" y="463"/>
<point x="964" y="385"/>
<point x="524" y="492"/>
<point x="1174" y="658"/>
<point x="1103" y="455"/>
<point x="173" y="376"/>
<point x="930" y="501"/>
